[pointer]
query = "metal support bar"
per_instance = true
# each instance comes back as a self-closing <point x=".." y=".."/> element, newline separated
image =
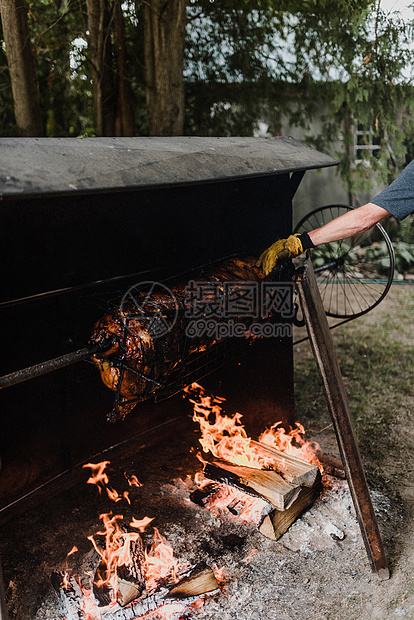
<point x="324" y="352"/>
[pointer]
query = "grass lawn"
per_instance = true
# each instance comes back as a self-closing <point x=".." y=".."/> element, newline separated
<point x="376" y="357"/>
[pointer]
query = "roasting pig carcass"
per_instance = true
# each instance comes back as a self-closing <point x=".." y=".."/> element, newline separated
<point x="153" y="334"/>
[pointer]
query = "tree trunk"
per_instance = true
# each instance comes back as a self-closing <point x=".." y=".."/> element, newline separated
<point x="100" y="17"/>
<point x="124" y="121"/>
<point x="164" y="36"/>
<point x="21" y="65"/>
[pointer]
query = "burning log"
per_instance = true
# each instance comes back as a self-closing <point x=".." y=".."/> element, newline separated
<point x="288" y="501"/>
<point x="72" y="594"/>
<point x="218" y="497"/>
<point x="331" y="465"/>
<point x="265" y="483"/>
<point x="130" y="578"/>
<point x="293" y="470"/>
<point x="277" y="523"/>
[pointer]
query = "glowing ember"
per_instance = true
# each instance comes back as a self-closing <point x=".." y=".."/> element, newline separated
<point x="249" y="556"/>
<point x="231" y="501"/>
<point x="219" y="573"/>
<point x="293" y="443"/>
<point x="165" y="612"/>
<point x="225" y="437"/>
<point x="88" y="607"/>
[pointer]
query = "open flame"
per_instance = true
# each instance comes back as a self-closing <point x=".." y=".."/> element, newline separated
<point x="160" y="563"/>
<point x="293" y="442"/>
<point x="101" y="480"/>
<point x="115" y="552"/>
<point x="225" y="437"/>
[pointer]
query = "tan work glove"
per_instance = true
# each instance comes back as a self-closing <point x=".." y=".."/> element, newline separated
<point x="281" y="250"/>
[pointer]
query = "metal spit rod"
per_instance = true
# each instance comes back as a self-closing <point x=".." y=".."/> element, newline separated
<point x="50" y="365"/>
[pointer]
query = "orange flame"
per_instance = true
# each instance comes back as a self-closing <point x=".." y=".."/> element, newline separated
<point x="132" y="480"/>
<point x="116" y="552"/>
<point x="66" y="575"/>
<point x="292" y="443"/>
<point x="98" y="476"/>
<point x="160" y="562"/>
<point x="113" y="495"/>
<point x="226" y="437"/>
<point x="141" y="524"/>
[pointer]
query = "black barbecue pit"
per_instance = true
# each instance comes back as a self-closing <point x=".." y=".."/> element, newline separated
<point x="82" y="221"/>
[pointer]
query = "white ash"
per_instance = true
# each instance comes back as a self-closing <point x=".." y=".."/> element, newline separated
<point x="317" y="570"/>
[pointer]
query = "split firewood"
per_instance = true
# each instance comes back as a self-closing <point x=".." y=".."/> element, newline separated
<point x="266" y="528"/>
<point x="200" y="581"/>
<point x="265" y="483"/>
<point x="71" y="598"/>
<point x="277" y="523"/>
<point x="127" y="592"/>
<point x="291" y="468"/>
<point x="130" y="578"/>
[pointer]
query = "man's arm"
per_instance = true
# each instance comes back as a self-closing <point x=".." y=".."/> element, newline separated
<point x="351" y="223"/>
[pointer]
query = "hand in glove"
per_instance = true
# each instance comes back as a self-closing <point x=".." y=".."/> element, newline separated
<point x="284" y="249"/>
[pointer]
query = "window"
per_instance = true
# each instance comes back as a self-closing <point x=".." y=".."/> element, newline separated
<point x="365" y="140"/>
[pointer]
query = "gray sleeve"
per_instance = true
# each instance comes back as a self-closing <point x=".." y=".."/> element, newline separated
<point x="398" y="198"/>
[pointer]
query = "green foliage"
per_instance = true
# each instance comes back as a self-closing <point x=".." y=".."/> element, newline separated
<point x="404" y="257"/>
<point x="364" y="68"/>
<point x="406" y="230"/>
<point x="246" y="60"/>
<point x="63" y="71"/>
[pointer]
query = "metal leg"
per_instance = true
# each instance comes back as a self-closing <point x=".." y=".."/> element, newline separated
<point x="324" y="352"/>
